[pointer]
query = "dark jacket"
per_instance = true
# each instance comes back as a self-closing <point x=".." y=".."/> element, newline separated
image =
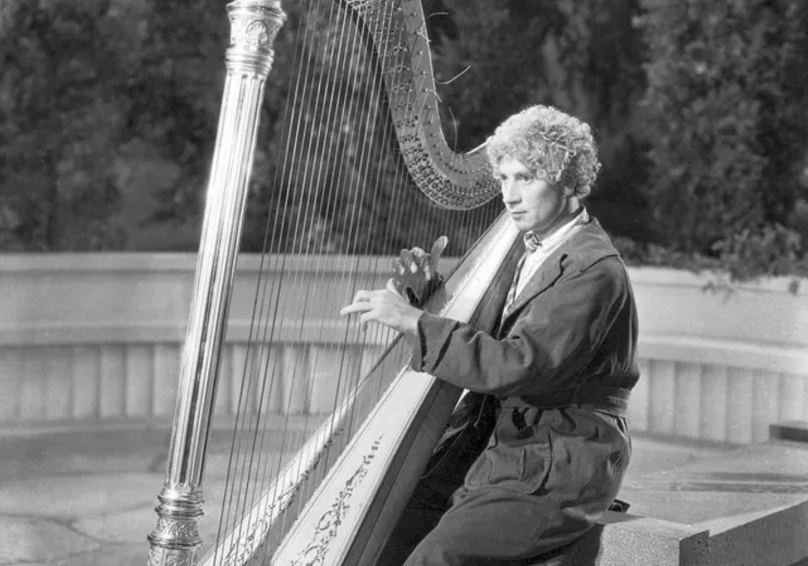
<point x="553" y="364"/>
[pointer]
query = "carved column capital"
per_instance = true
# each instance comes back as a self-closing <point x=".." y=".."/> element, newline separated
<point x="254" y="25"/>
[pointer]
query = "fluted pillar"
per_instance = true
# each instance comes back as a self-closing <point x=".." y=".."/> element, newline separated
<point x="254" y="25"/>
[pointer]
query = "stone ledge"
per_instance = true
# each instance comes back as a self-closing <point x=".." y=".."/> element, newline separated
<point x="629" y="540"/>
<point x="747" y="506"/>
<point x="774" y="539"/>
<point x="794" y="431"/>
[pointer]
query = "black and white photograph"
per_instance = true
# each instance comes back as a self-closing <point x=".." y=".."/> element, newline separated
<point x="403" y="283"/>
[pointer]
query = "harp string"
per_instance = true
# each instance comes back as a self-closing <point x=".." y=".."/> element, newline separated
<point x="362" y="167"/>
<point x="336" y="102"/>
<point x="398" y="193"/>
<point x="305" y="184"/>
<point x="235" y="502"/>
<point x="311" y="97"/>
<point x="329" y="203"/>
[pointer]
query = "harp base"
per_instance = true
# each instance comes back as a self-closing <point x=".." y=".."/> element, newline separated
<point x="175" y="541"/>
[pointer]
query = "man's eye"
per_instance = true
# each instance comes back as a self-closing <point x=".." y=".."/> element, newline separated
<point x="524" y="178"/>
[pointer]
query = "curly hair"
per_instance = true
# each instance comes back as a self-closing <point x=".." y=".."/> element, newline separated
<point x="553" y="145"/>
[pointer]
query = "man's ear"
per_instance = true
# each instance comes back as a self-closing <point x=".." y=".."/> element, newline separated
<point x="569" y="183"/>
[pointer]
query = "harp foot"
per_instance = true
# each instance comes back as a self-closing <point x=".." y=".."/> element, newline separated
<point x="175" y="540"/>
<point x="163" y="557"/>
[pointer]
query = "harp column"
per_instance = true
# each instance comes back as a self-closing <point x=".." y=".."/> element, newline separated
<point x="254" y="24"/>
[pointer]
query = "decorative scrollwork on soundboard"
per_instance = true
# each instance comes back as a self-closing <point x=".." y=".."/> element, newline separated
<point x="328" y="525"/>
<point x="253" y="533"/>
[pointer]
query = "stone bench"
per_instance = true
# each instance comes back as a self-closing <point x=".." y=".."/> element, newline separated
<point x="744" y="507"/>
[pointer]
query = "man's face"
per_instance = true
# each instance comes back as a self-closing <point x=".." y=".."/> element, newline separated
<point x="533" y="203"/>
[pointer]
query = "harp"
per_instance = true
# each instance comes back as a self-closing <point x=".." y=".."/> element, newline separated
<point x="337" y="494"/>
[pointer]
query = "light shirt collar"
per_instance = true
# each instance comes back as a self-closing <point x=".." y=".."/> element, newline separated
<point x="559" y="235"/>
<point x="547" y="246"/>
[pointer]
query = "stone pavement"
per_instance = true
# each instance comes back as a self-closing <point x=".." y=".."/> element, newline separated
<point x="86" y="497"/>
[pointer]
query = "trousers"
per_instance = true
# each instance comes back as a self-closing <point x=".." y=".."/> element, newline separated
<point x="449" y="523"/>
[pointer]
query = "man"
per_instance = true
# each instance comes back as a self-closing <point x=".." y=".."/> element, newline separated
<point x="553" y="378"/>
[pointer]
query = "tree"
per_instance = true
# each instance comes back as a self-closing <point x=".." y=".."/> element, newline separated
<point x="108" y="113"/>
<point x="725" y="112"/>
<point x="60" y="107"/>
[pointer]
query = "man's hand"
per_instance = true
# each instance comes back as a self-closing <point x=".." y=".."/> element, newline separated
<point x="416" y="272"/>
<point x="386" y="307"/>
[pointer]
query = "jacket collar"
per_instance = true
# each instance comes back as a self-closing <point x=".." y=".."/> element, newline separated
<point x="579" y="252"/>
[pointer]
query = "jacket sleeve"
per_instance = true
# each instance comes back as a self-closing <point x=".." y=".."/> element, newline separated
<point x="553" y="340"/>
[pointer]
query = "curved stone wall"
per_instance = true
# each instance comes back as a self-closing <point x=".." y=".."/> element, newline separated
<point x="88" y="337"/>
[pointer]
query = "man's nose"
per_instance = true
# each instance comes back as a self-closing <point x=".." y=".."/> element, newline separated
<point x="509" y="194"/>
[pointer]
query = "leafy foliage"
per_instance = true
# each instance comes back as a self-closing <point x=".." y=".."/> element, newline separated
<point x="60" y="110"/>
<point x="724" y="115"/>
<point x="108" y="113"/>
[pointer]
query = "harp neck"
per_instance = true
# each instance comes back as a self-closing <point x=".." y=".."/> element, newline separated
<point x="397" y="30"/>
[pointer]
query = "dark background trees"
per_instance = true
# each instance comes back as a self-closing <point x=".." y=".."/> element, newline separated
<point x="727" y="129"/>
<point x="108" y="111"/>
